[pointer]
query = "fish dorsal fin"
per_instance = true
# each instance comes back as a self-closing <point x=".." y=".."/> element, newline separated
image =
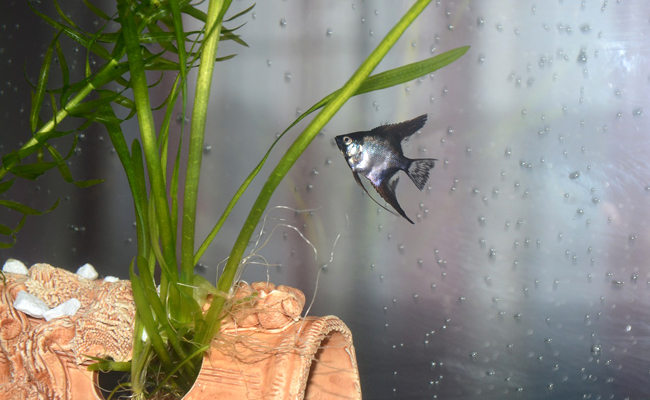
<point x="401" y="131"/>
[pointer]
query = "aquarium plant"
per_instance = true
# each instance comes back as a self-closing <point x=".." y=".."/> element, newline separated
<point x="134" y="46"/>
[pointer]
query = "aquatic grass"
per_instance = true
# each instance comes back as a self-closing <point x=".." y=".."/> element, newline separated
<point x="171" y="331"/>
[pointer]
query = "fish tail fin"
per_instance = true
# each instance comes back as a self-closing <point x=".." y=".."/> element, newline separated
<point x="418" y="171"/>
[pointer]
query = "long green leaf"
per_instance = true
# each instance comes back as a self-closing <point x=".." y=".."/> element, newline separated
<point x="101" y="14"/>
<point x="65" y="73"/>
<point x="63" y="16"/>
<point x="63" y="167"/>
<point x="150" y="325"/>
<point x="159" y="310"/>
<point x="147" y="131"/>
<point x="290" y="157"/>
<point x="21" y="208"/>
<point x="74" y="35"/>
<point x="216" y="10"/>
<point x="41" y="87"/>
<point x="379" y="81"/>
<point x="239" y="14"/>
<point x="180" y="37"/>
<point x="139" y="190"/>
<point x="135" y="177"/>
<point x="32" y="171"/>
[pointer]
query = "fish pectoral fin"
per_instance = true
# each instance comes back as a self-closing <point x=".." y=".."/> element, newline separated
<point x="386" y="190"/>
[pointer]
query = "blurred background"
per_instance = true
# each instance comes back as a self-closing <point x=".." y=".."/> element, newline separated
<point x="526" y="275"/>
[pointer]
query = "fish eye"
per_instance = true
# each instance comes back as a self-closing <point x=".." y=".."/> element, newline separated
<point x="347" y="140"/>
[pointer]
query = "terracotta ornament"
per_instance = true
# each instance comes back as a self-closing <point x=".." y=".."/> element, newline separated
<point x="265" y="350"/>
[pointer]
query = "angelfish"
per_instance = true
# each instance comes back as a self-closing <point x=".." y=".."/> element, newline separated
<point x="378" y="155"/>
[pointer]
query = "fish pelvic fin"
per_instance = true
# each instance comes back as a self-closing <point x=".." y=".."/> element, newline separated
<point x="418" y="171"/>
<point x="386" y="190"/>
<point x="356" y="178"/>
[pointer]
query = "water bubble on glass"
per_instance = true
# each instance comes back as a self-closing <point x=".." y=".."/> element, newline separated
<point x="637" y="112"/>
<point x="582" y="56"/>
<point x="328" y="32"/>
<point x="283" y="22"/>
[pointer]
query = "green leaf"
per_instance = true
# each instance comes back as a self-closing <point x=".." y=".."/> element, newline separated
<point x="8" y="160"/>
<point x="246" y="11"/>
<point x="7" y="245"/>
<point x="63" y="167"/>
<point x="65" y="73"/>
<point x="21" y="208"/>
<point x="158" y="308"/>
<point x="197" y="133"/>
<point x="96" y="10"/>
<point x="5" y="230"/>
<point x="63" y="16"/>
<point x="233" y="37"/>
<point x="41" y="87"/>
<point x="146" y="316"/>
<point x="78" y="37"/>
<point x="225" y="58"/>
<point x="106" y="365"/>
<point x="194" y="12"/>
<point x="4" y="186"/>
<point x="136" y="181"/>
<point x="32" y="171"/>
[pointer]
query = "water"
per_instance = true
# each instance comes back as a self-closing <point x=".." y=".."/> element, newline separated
<point x="527" y="277"/>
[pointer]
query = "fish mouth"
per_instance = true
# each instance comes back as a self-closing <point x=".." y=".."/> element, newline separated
<point x="340" y="144"/>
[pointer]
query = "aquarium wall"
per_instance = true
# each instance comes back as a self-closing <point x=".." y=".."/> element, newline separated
<point x="526" y="272"/>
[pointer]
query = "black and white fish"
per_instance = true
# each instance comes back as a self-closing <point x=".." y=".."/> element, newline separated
<point x="378" y="155"/>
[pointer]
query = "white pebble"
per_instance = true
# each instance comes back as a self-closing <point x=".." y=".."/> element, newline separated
<point x="87" y="271"/>
<point x="67" y="309"/>
<point x="30" y="304"/>
<point x="14" y="267"/>
<point x="111" y="279"/>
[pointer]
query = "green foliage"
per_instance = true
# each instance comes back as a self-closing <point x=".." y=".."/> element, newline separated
<point x="171" y="330"/>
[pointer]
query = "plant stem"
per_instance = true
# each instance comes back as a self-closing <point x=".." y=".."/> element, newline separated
<point x="292" y="154"/>
<point x="197" y="133"/>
